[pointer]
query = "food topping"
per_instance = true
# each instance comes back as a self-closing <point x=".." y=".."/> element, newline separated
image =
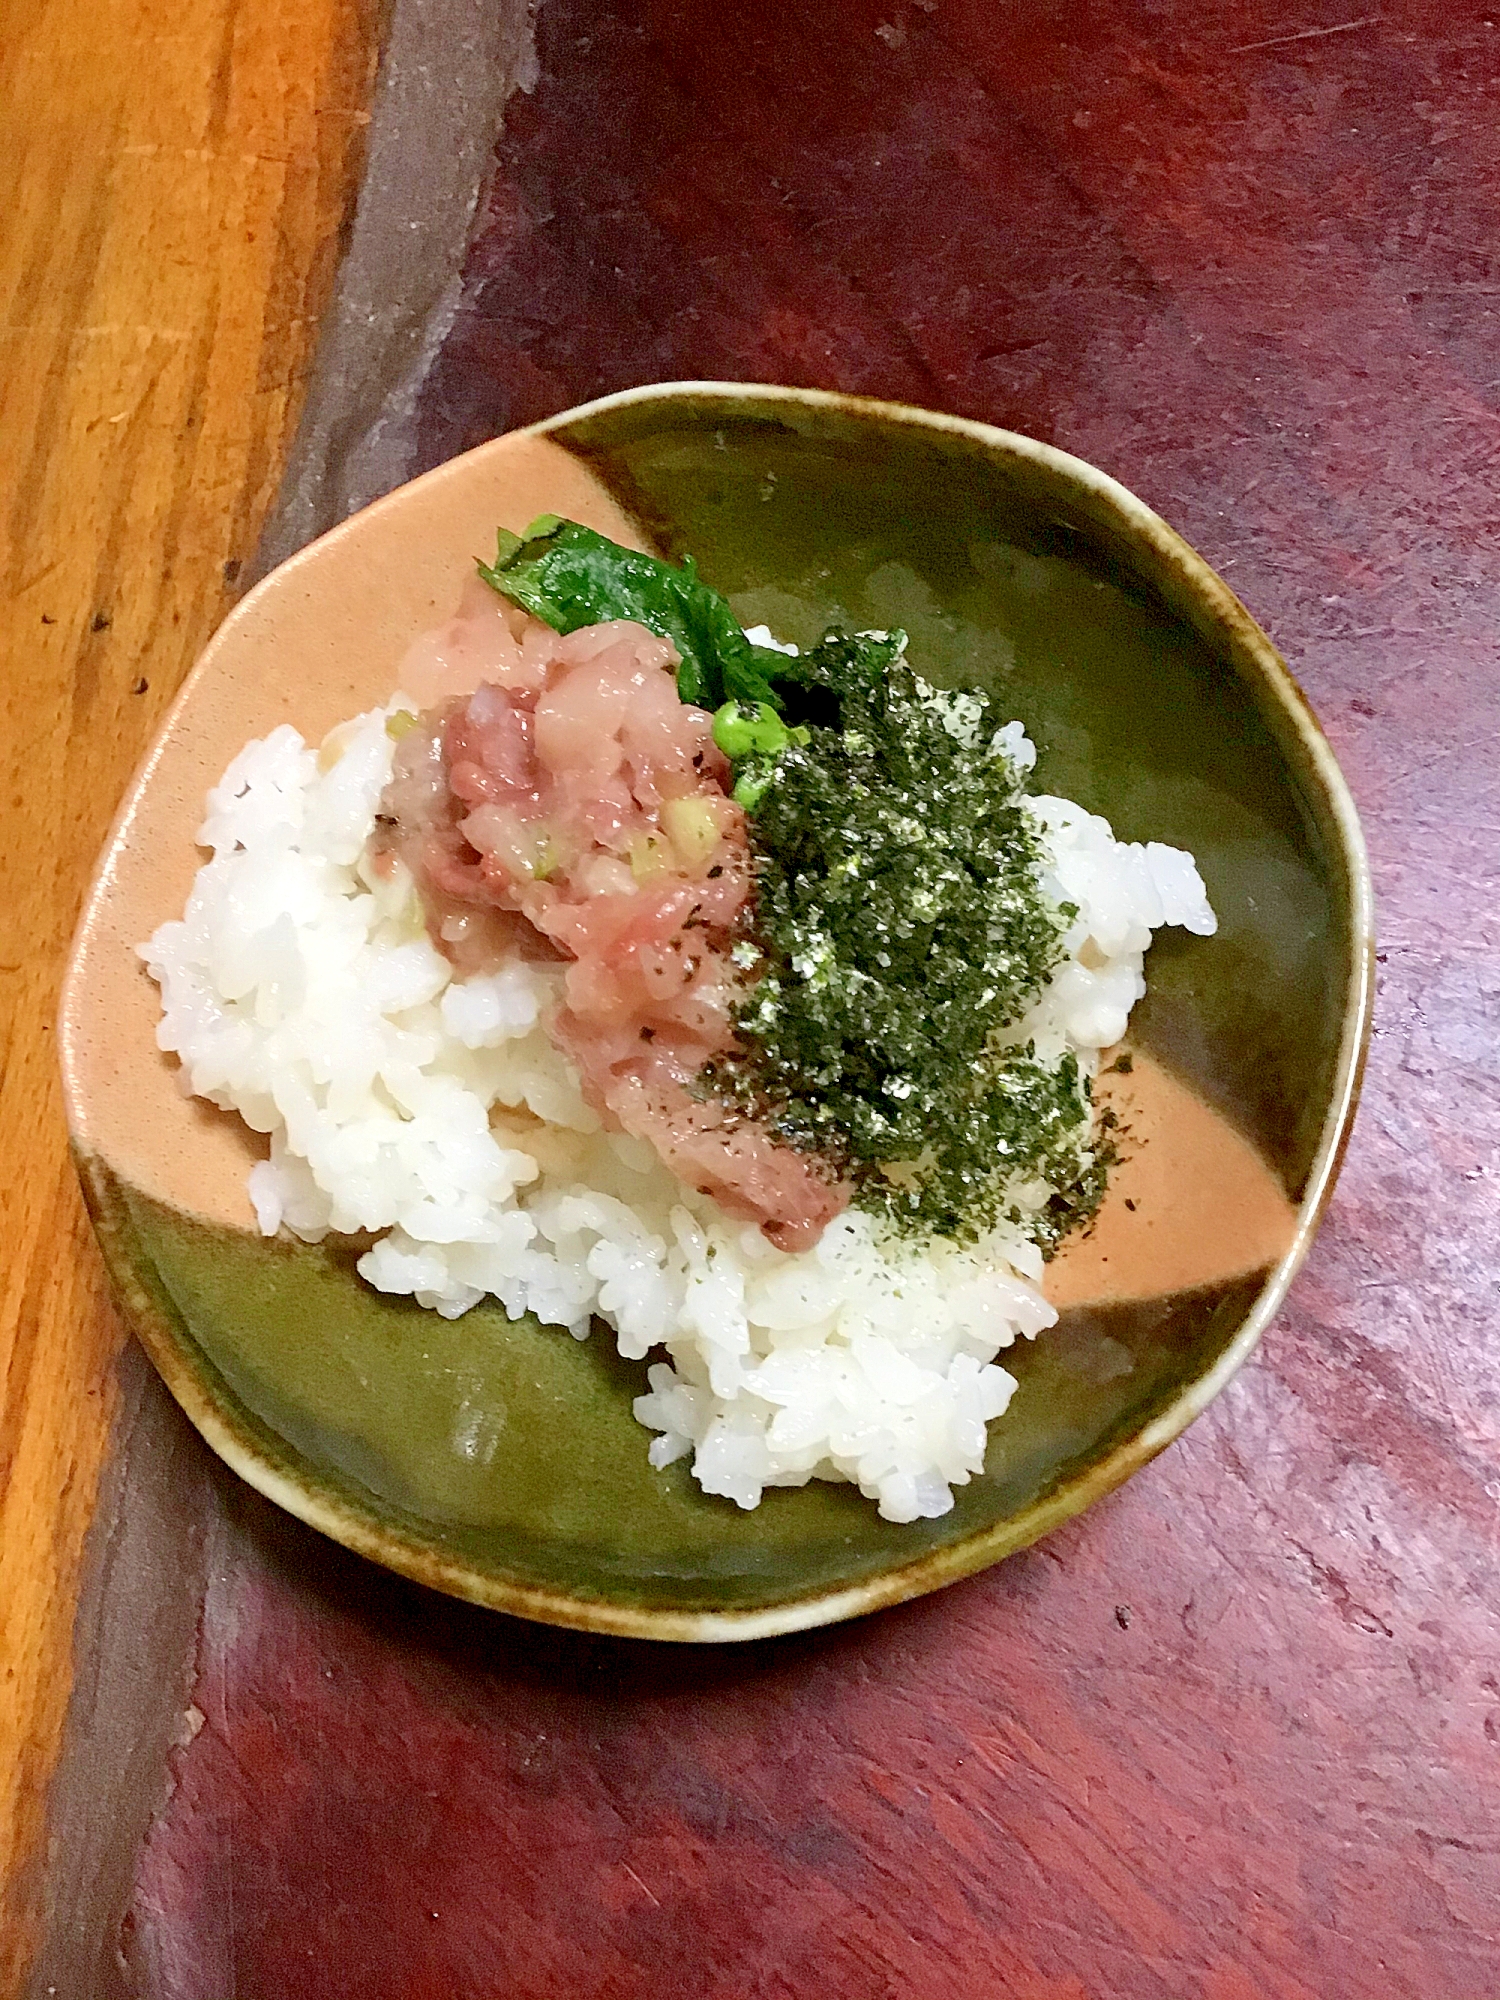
<point x="899" y="933"/>
<point x="588" y="807"/>
<point x="803" y="933"/>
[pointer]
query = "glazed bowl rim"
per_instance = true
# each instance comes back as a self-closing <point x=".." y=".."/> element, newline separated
<point x="1251" y="656"/>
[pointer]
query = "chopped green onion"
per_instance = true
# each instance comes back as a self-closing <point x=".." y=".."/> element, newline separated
<point x="754" y="731"/>
<point x="751" y="787"/>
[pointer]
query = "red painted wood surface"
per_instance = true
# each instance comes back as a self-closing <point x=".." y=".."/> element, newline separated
<point x="1236" y="1734"/>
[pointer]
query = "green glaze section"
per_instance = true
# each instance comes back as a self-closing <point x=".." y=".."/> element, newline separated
<point x="1007" y="580"/>
<point x="512" y="1447"/>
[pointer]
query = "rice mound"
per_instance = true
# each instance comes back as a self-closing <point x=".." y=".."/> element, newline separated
<point x="301" y="990"/>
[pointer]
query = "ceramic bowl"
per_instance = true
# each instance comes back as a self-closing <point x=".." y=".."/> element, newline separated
<point x="1154" y="698"/>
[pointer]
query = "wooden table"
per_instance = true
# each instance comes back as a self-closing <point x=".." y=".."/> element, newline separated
<point x="1236" y="1734"/>
<point x="177" y="179"/>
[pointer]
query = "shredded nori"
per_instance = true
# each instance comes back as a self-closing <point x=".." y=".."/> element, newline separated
<point x="900" y="929"/>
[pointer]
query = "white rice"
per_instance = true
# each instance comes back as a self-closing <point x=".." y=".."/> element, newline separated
<point x="301" y="991"/>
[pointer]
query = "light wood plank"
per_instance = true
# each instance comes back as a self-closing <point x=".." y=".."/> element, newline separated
<point x="179" y="177"/>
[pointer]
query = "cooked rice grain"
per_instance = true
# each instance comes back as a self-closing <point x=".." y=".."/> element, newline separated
<point x="300" y="990"/>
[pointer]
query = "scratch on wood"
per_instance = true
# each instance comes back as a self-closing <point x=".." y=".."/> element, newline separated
<point x="1305" y="35"/>
<point x="641" y="1886"/>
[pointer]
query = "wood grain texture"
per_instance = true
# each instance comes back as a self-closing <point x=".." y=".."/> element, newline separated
<point x="178" y="179"/>
<point x="1233" y="1736"/>
<point x="1236" y="1734"/>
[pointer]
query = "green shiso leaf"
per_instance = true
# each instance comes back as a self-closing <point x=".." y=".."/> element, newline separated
<point x="569" y="576"/>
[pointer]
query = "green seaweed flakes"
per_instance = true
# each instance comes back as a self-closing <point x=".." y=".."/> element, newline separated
<point x="901" y="931"/>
